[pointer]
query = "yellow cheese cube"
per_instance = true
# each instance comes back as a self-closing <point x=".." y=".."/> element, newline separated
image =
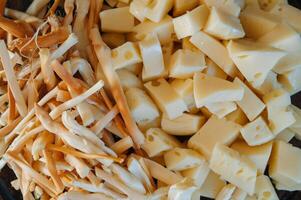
<point x="256" y="132"/>
<point x="184" y="190"/>
<point x="221" y="109"/>
<point x="206" y="138"/>
<point x="215" y="50"/>
<point x="282" y="37"/>
<point x="291" y="81"/>
<point x="141" y="105"/>
<point x="250" y="103"/>
<point x="285" y="164"/>
<point x="213" y="70"/>
<point x="128" y="79"/>
<point x="137" y="9"/>
<point x="187" y="124"/>
<point x="238" y="117"/>
<point x="179" y="159"/>
<point x="212" y="185"/>
<point x="166" y="98"/>
<point x="232" y="7"/>
<point x="117" y="20"/>
<point x="259" y="155"/>
<point x="226" y="192"/>
<point x="181" y="6"/>
<point x="223" y="26"/>
<point x="286" y="135"/>
<point x="254" y="60"/>
<point x="191" y="22"/>
<point x="157" y="9"/>
<point x="184" y="63"/>
<point x="198" y="174"/>
<point x="234" y="168"/>
<point x="209" y="89"/>
<point x="163" y="29"/>
<point x="157" y="142"/>
<point x="288" y="63"/>
<point x="265" y="189"/>
<point x="125" y="55"/>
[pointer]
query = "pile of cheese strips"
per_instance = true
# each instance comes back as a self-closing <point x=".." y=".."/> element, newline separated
<point x="150" y="99"/>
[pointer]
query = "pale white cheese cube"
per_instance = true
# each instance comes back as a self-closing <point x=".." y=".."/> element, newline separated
<point x="157" y="9"/>
<point x="128" y="79"/>
<point x="265" y="189"/>
<point x="198" y="174"/>
<point x="184" y="190"/>
<point x="212" y="185"/>
<point x="288" y="63"/>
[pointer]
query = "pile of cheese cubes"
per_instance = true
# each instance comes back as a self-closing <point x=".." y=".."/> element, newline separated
<point x="209" y="84"/>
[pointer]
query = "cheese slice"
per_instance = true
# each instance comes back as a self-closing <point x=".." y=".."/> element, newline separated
<point x="291" y="81"/>
<point x="178" y="159"/>
<point x="254" y="60"/>
<point x="184" y="63"/>
<point x="232" y="7"/>
<point x="223" y="25"/>
<point x="128" y="79"/>
<point x="198" y="174"/>
<point x="212" y="185"/>
<point x="181" y="6"/>
<point x="226" y="193"/>
<point x="259" y="155"/>
<point x="215" y="50"/>
<point x="191" y="22"/>
<point x="221" y="109"/>
<point x="157" y="9"/>
<point x="209" y="89"/>
<point x="184" y="190"/>
<point x="206" y="138"/>
<point x="234" y="168"/>
<point x="265" y="189"/>
<point x="166" y="98"/>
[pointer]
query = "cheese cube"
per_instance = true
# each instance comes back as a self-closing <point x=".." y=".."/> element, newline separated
<point x="285" y="164"/>
<point x="162" y="29"/>
<point x="117" y="20"/>
<point x="184" y="63"/>
<point x="166" y="98"/>
<point x="257" y="22"/>
<point x="291" y="81"/>
<point x="270" y="83"/>
<point x="145" y="125"/>
<point x="187" y="45"/>
<point x="187" y="124"/>
<point x="288" y="63"/>
<point x="198" y="174"/>
<point x="226" y="192"/>
<point x="238" y="117"/>
<point x="184" y="190"/>
<point x="209" y="89"/>
<point x="125" y="55"/>
<point x="234" y="168"/>
<point x="128" y="79"/>
<point x="181" y="6"/>
<point x="157" y="9"/>
<point x="212" y="185"/>
<point x="231" y="7"/>
<point x="221" y="109"/>
<point x="206" y="138"/>
<point x="215" y="50"/>
<point x="250" y="103"/>
<point x="184" y="87"/>
<point x="151" y="52"/>
<point x="113" y="40"/>
<point x="286" y="135"/>
<point x="239" y="194"/>
<point x="141" y="105"/>
<point x="179" y="159"/>
<point x="191" y="22"/>
<point x="259" y="155"/>
<point x="223" y="26"/>
<point x="265" y="189"/>
<point x="213" y="70"/>
<point x="254" y="60"/>
<point x="157" y="142"/>
<point x="282" y="37"/>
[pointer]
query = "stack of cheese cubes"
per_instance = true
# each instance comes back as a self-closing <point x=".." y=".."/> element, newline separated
<point x="209" y="84"/>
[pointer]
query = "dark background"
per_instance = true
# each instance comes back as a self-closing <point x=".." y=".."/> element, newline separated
<point x="6" y="175"/>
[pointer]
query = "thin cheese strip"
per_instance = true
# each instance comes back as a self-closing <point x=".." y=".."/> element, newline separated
<point x="5" y="130"/>
<point x="12" y="106"/>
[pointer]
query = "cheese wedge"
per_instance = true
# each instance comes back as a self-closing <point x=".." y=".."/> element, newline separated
<point x="180" y="7"/>
<point x="212" y="185"/>
<point x="198" y="174"/>
<point x="206" y="138"/>
<point x="265" y="189"/>
<point x="157" y="9"/>
<point x="184" y="190"/>
<point x="231" y="7"/>
<point x="209" y="89"/>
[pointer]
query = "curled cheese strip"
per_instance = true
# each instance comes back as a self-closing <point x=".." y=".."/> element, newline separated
<point x="17" y="29"/>
<point x="36" y="6"/>
<point x="15" y="14"/>
<point x="47" y="72"/>
<point x="5" y="130"/>
<point x="68" y="7"/>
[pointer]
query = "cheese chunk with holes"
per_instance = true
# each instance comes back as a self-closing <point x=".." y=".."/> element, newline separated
<point x="259" y="155"/>
<point x="191" y="22"/>
<point x="265" y="189"/>
<point x="137" y="8"/>
<point x="250" y="104"/>
<point x="212" y="185"/>
<point x="254" y="60"/>
<point x="226" y="192"/>
<point x="162" y="29"/>
<point x="166" y="98"/>
<point x="184" y="190"/>
<point x="184" y="63"/>
<point x="128" y="79"/>
<point x="223" y="26"/>
<point x="291" y="81"/>
<point x="285" y="164"/>
<point x="213" y="70"/>
<point x="179" y="159"/>
<point x="187" y="124"/>
<point x="206" y="138"/>
<point x="117" y="20"/>
<point x="184" y="87"/>
<point x="221" y="109"/>
<point x="157" y="141"/>
<point x="181" y="6"/>
<point x="141" y="105"/>
<point x="151" y="52"/>
<point x="282" y="37"/>
<point x="157" y="9"/>
<point x="198" y="174"/>
<point x="231" y="7"/>
<point x="215" y="50"/>
<point x="209" y="89"/>
<point x="288" y="63"/>
<point x="125" y="55"/>
<point x="234" y="168"/>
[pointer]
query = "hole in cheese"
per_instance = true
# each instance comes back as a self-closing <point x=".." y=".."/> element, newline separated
<point x="114" y="54"/>
<point x="128" y="55"/>
<point x="150" y="138"/>
<point x="266" y="194"/>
